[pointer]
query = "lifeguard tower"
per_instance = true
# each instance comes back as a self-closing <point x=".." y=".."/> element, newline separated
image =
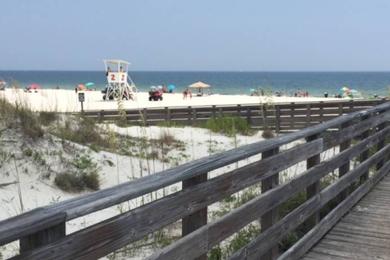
<point x="119" y="83"/>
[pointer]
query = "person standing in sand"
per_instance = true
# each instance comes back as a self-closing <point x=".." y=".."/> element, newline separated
<point x="185" y="94"/>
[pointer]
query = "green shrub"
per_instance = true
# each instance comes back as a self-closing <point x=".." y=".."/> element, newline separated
<point x="82" y="131"/>
<point x="46" y="118"/>
<point x="18" y="116"/>
<point x="242" y="238"/>
<point x="84" y="177"/>
<point x="77" y="181"/>
<point x="29" y="123"/>
<point x="215" y="253"/>
<point x="28" y="152"/>
<point x="229" y="125"/>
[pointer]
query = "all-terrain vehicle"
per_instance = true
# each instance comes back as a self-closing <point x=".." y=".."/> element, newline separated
<point x="155" y="94"/>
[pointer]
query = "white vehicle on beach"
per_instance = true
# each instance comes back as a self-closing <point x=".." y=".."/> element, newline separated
<point x="119" y="84"/>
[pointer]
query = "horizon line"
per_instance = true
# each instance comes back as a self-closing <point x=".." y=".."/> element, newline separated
<point x="238" y="71"/>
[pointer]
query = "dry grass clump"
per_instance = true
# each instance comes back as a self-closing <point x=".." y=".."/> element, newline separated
<point x="20" y="117"/>
<point x="268" y="134"/>
<point x="229" y="126"/>
<point x="46" y="118"/>
<point x="82" y="130"/>
<point x="84" y="176"/>
<point x="166" y="138"/>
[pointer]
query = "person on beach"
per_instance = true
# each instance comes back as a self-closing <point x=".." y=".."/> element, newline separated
<point x="108" y="71"/>
<point x="190" y="93"/>
<point x="185" y="92"/>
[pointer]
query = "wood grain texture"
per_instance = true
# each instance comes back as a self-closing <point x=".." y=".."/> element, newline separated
<point x="206" y="237"/>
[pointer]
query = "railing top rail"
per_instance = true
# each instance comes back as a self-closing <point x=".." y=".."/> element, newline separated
<point x="330" y="102"/>
<point x="35" y="220"/>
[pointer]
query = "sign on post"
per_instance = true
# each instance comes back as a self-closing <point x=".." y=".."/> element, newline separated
<point x="81" y="100"/>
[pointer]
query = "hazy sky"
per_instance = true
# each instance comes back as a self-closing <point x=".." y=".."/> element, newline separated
<point x="256" y="35"/>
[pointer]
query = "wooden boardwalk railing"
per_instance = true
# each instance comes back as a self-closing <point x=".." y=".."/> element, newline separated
<point x="279" y="117"/>
<point x="42" y="232"/>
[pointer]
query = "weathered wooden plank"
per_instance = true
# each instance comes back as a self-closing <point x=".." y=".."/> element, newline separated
<point x="43" y="237"/>
<point x="271" y="237"/>
<point x="311" y="238"/>
<point x="346" y="166"/>
<point x="271" y="217"/>
<point x="313" y="189"/>
<point x="206" y="237"/>
<point x="198" y="218"/>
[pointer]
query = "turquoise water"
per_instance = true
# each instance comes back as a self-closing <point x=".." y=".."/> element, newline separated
<point x="316" y="83"/>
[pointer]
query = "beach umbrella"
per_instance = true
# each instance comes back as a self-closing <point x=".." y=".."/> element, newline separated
<point x="81" y="87"/>
<point x="199" y="84"/>
<point x="171" y="87"/>
<point x="89" y="84"/>
<point x="34" y="86"/>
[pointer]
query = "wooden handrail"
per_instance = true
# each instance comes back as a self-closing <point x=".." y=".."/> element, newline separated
<point x="133" y="225"/>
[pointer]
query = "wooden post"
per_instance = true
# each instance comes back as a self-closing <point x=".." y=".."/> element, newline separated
<point x="345" y="167"/>
<point x="321" y="111"/>
<point x="220" y="111"/>
<point x="239" y="110"/>
<point x="292" y="125"/>
<point x="101" y="115"/>
<point x="271" y="217"/>
<point x="194" y="117"/>
<point x="189" y="112"/>
<point x="351" y="105"/>
<point x="313" y="189"/>
<point x="277" y="119"/>
<point x="364" y="155"/>
<point x="308" y="115"/>
<point x="213" y="111"/>
<point x="380" y="145"/>
<point x="341" y="109"/>
<point x="248" y="115"/>
<point x="43" y="237"/>
<point x="145" y="116"/>
<point x="197" y="219"/>
<point x="168" y="115"/>
<point x="265" y="122"/>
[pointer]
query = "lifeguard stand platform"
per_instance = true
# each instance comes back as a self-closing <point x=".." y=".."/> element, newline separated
<point x="119" y="83"/>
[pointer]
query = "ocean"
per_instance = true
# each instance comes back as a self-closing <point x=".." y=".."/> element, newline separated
<point x="316" y="83"/>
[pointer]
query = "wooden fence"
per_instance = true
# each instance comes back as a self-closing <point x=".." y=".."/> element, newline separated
<point x="279" y="117"/>
<point x="362" y="138"/>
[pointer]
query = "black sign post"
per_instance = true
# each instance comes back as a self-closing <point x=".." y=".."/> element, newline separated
<point x="82" y="99"/>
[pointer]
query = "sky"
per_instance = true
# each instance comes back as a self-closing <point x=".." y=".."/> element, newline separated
<point x="216" y="35"/>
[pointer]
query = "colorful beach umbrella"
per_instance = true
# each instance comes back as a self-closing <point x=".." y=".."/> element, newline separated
<point x="81" y="87"/>
<point x="34" y="86"/>
<point x="89" y="84"/>
<point x="171" y="87"/>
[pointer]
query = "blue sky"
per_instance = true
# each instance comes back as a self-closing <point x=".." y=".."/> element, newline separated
<point x="255" y="35"/>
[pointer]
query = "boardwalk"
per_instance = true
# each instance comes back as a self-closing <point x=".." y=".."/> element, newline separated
<point x="364" y="233"/>
<point x="361" y="140"/>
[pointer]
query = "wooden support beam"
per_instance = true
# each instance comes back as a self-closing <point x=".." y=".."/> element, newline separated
<point x="197" y="219"/>
<point x="313" y="189"/>
<point x="42" y="237"/>
<point x="271" y="217"/>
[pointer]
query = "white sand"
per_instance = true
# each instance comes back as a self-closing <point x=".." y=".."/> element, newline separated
<point x="67" y="100"/>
